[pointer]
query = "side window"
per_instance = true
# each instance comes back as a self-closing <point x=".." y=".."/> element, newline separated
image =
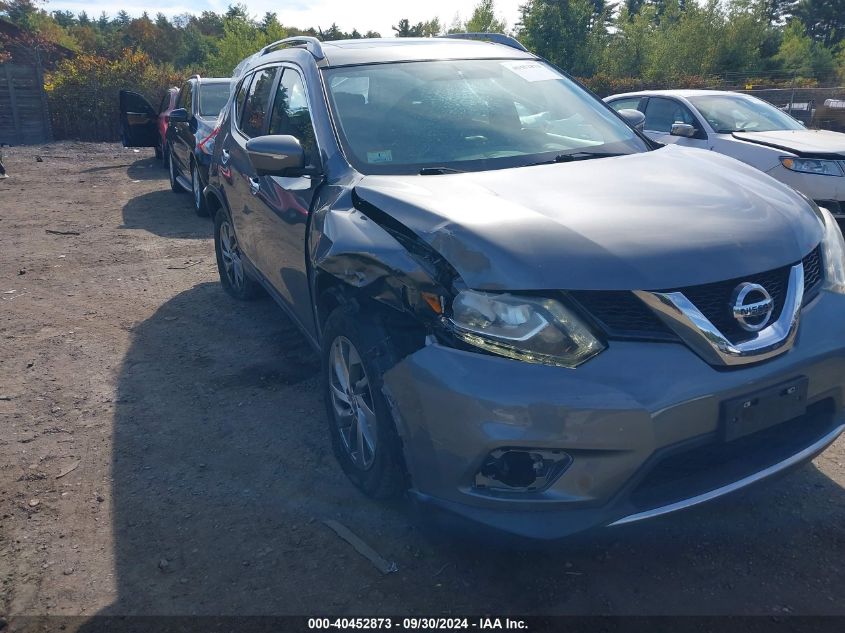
<point x="257" y="101"/>
<point x="661" y="113"/>
<point x="291" y="115"/>
<point x="185" y="97"/>
<point x="629" y="103"/>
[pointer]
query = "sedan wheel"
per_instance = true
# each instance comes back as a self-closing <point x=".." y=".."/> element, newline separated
<point x="196" y="187"/>
<point x="231" y="254"/>
<point x="353" y="403"/>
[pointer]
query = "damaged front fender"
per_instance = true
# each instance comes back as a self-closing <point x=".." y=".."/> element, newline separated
<point x="366" y="250"/>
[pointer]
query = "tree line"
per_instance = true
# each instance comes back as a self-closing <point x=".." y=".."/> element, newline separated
<point x="654" y="40"/>
<point x="611" y="45"/>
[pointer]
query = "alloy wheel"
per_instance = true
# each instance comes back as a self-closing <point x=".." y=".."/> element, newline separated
<point x="352" y="402"/>
<point x="231" y="253"/>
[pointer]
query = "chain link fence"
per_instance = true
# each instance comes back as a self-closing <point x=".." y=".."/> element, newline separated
<point x="820" y="108"/>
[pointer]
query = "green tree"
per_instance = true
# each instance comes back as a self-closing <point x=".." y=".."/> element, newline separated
<point x="800" y="55"/>
<point x="405" y="29"/>
<point x="333" y="33"/>
<point x="484" y="20"/>
<point x="629" y="47"/>
<point x="241" y="38"/>
<point x="824" y="20"/>
<point x="567" y="32"/>
<point x="432" y="28"/>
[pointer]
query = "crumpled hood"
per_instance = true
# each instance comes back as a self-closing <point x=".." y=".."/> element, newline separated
<point x="657" y="220"/>
<point x="798" y="141"/>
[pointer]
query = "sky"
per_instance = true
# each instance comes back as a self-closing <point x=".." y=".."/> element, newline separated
<point x="378" y="15"/>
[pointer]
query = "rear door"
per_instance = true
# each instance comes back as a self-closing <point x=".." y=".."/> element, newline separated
<point x="251" y="119"/>
<point x="137" y="120"/>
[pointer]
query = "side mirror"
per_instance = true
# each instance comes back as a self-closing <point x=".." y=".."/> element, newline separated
<point x="275" y="154"/>
<point x="635" y="118"/>
<point x="179" y="115"/>
<point x="683" y="129"/>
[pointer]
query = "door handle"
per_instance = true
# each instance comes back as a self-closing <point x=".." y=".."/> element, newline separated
<point x="254" y="186"/>
<point x="224" y="156"/>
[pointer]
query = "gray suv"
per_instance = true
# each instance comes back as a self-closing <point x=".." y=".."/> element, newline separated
<point x="529" y="314"/>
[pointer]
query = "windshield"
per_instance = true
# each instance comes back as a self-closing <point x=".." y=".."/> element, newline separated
<point x="212" y="98"/>
<point x="735" y="113"/>
<point x="467" y="115"/>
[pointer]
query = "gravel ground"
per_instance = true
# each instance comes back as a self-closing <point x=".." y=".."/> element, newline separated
<point x="164" y="450"/>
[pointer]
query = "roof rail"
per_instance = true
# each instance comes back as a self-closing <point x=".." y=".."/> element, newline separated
<point x="311" y="44"/>
<point x="498" y="38"/>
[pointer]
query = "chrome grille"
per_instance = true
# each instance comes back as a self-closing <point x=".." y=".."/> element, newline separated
<point x="621" y="314"/>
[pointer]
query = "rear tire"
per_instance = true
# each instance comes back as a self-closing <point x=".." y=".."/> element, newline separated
<point x="363" y="433"/>
<point x="171" y="170"/>
<point x="200" y="206"/>
<point x="234" y="277"/>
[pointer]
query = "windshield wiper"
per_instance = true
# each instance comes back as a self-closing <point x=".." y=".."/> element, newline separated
<point x="568" y="158"/>
<point x="436" y="171"/>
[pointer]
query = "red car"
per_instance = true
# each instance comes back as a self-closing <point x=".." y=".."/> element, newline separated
<point x="168" y="104"/>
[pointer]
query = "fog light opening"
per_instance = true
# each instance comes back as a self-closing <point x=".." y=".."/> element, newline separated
<point x="521" y="470"/>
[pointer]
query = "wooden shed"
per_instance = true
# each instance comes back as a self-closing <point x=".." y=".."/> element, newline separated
<point x="24" y="113"/>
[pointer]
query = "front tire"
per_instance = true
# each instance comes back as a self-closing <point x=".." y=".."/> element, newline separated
<point x="200" y="207"/>
<point x="355" y="353"/>
<point x="234" y="277"/>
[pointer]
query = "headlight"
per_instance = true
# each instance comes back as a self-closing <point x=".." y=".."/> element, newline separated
<point x="812" y="166"/>
<point x="530" y="329"/>
<point x="833" y="253"/>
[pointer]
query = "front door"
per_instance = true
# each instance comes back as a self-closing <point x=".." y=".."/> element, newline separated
<point x="662" y="112"/>
<point x="182" y="134"/>
<point x="285" y="202"/>
<point x="138" y="121"/>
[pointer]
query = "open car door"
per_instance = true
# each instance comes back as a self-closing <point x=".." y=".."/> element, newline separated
<point x="138" y="121"/>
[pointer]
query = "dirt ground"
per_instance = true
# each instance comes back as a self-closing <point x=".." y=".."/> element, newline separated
<point x="201" y="468"/>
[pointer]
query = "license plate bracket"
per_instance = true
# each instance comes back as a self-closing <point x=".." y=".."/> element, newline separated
<point x="763" y="409"/>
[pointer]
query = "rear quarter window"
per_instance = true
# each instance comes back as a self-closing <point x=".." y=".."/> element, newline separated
<point x="631" y="103"/>
<point x="240" y="98"/>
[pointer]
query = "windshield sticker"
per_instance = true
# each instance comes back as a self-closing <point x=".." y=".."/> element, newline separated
<point x="381" y="156"/>
<point x="531" y="71"/>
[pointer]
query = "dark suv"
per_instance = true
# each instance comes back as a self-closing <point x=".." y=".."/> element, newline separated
<point x="528" y="313"/>
<point x="182" y="130"/>
<point x="190" y="135"/>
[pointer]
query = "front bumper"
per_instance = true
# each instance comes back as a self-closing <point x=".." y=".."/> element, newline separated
<point x="827" y="191"/>
<point x="635" y="419"/>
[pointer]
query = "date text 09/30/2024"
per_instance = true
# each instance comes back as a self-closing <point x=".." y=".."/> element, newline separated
<point x="419" y="624"/>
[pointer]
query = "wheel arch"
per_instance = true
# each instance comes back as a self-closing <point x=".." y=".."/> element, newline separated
<point x="215" y="202"/>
